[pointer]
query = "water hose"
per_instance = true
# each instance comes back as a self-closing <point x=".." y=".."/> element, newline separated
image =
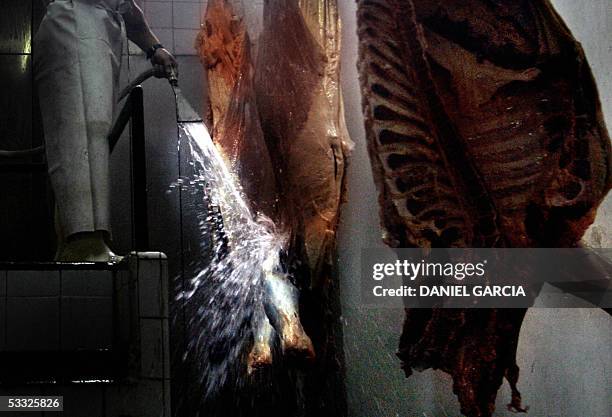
<point x="25" y="153"/>
<point x="135" y="82"/>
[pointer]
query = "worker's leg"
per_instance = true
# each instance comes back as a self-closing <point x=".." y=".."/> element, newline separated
<point x="76" y="75"/>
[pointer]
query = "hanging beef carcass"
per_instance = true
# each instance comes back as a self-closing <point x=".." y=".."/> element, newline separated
<point x="300" y="103"/>
<point x="220" y="44"/>
<point x="300" y="106"/>
<point x="225" y="47"/>
<point x="302" y="116"/>
<point x="484" y="130"/>
<point x="303" y="192"/>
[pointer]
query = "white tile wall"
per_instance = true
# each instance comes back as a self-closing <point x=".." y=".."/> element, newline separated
<point x="175" y="22"/>
<point x="184" y="41"/>
<point x="186" y="15"/>
<point x="159" y="14"/>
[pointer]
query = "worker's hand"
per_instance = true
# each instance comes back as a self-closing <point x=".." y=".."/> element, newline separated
<point x="165" y="64"/>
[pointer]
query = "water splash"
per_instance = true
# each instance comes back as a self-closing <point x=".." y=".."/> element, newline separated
<point x="225" y="296"/>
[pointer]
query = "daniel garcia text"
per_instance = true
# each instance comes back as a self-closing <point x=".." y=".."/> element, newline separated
<point x="453" y="270"/>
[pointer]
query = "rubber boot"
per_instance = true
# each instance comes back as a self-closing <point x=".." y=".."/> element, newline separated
<point x="86" y="247"/>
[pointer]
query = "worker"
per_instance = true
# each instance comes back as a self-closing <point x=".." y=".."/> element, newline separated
<point x="77" y="61"/>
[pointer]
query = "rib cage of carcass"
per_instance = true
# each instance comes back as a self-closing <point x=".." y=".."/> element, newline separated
<point x="484" y="129"/>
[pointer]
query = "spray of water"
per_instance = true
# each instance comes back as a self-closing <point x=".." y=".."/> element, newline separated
<point x="226" y="295"/>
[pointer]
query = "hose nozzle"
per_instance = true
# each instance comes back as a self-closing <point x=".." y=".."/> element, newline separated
<point x="173" y="78"/>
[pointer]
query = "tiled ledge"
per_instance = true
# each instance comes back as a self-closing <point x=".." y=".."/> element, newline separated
<point x="62" y="266"/>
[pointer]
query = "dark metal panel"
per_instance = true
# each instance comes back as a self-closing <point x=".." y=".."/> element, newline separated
<point x="121" y="184"/>
<point x="14" y="218"/>
<point x="15" y="133"/>
<point x="15" y="102"/>
<point x="16" y="26"/>
<point x="26" y="222"/>
<point x="139" y="172"/>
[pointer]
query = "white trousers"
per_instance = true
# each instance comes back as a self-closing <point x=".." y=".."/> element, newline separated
<point x="77" y="61"/>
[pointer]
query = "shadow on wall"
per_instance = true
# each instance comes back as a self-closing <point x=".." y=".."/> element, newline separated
<point x="26" y="216"/>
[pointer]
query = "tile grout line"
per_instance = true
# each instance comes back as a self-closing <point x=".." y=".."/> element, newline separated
<point x="60" y="310"/>
<point x="163" y="334"/>
<point x="5" y="309"/>
<point x="172" y="31"/>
